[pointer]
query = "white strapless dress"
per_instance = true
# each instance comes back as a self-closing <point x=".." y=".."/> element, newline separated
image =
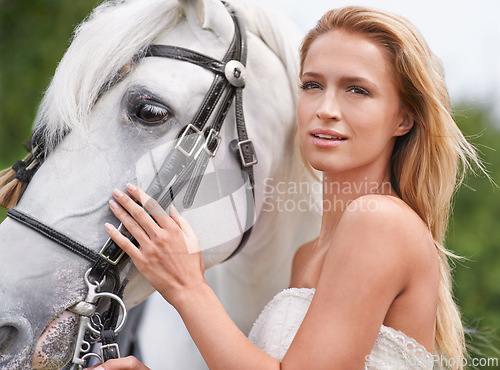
<point x="279" y="321"/>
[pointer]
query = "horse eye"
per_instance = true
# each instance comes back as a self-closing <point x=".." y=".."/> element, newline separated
<point x="153" y="114"/>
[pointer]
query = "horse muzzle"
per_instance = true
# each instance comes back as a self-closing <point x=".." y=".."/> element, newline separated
<point x="54" y="347"/>
<point x="52" y="350"/>
<point x="15" y="333"/>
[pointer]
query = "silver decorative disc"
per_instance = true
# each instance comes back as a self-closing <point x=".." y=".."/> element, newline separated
<point x="236" y="73"/>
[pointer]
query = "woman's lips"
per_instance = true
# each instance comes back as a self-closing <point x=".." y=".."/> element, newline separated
<point x="327" y="138"/>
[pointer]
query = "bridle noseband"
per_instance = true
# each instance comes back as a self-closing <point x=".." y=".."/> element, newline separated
<point x="184" y="165"/>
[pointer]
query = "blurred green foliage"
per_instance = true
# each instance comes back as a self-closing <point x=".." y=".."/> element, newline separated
<point x="34" y="35"/>
<point x="474" y="232"/>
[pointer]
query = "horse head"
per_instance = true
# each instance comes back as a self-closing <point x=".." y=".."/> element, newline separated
<point x="111" y="115"/>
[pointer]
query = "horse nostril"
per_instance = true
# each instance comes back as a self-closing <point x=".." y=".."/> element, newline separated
<point x="8" y="335"/>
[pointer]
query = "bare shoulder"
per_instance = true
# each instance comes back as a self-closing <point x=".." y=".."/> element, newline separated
<point x="387" y="229"/>
<point x="383" y="214"/>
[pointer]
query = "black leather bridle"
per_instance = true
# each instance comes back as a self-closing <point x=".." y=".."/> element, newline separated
<point x="185" y="164"/>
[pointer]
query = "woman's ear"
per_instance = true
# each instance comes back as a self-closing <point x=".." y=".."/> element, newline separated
<point x="406" y="124"/>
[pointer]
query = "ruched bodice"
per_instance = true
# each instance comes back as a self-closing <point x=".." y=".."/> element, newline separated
<point x="279" y="321"/>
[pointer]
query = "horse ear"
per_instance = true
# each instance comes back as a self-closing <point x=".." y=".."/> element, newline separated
<point x="210" y="15"/>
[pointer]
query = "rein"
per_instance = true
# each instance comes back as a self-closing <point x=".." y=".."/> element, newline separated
<point x="184" y="165"/>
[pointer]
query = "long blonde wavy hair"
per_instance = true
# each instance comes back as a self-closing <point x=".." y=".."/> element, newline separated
<point x="428" y="163"/>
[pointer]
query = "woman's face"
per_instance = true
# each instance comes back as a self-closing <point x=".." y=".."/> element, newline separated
<point x="349" y="112"/>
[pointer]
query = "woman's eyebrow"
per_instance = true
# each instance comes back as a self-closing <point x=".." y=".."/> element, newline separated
<point x="347" y="79"/>
<point x="356" y="79"/>
<point x="311" y="74"/>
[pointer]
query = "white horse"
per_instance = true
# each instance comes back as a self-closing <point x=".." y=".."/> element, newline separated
<point x="95" y="121"/>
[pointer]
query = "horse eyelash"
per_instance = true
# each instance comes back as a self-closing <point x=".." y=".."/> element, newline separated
<point x="155" y="109"/>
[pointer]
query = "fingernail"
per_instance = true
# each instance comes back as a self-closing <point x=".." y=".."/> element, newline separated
<point x="113" y="204"/>
<point x="108" y="226"/>
<point x="131" y="187"/>
<point x="118" y="193"/>
<point x="173" y="211"/>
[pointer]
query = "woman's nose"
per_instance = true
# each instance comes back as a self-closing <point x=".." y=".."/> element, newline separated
<point x="328" y="108"/>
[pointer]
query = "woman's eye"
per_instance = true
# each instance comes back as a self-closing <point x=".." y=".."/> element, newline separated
<point x="358" y="90"/>
<point x="310" y="85"/>
<point x="151" y="113"/>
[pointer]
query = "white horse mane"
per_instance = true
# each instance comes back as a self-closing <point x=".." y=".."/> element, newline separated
<point x="109" y="39"/>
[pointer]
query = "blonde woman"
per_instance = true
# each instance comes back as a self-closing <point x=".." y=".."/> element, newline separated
<point x="373" y="289"/>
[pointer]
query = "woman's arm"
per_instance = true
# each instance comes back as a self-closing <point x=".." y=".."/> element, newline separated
<point x="169" y="257"/>
<point x="378" y="252"/>
<point x="370" y="260"/>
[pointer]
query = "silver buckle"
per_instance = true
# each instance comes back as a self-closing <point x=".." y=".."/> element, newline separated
<point x="212" y="135"/>
<point x="200" y="137"/>
<point x="107" y="258"/>
<point x="254" y="155"/>
<point x="108" y="346"/>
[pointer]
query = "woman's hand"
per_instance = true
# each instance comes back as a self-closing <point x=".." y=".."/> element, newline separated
<point x="169" y="256"/>
<point x="125" y="363"/>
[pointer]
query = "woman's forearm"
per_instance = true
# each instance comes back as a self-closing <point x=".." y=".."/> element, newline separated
<point x="169" y="258"/>
<point x="220" y="341"/>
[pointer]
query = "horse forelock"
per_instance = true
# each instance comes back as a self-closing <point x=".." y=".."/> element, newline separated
<point x="106" y="42"/>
